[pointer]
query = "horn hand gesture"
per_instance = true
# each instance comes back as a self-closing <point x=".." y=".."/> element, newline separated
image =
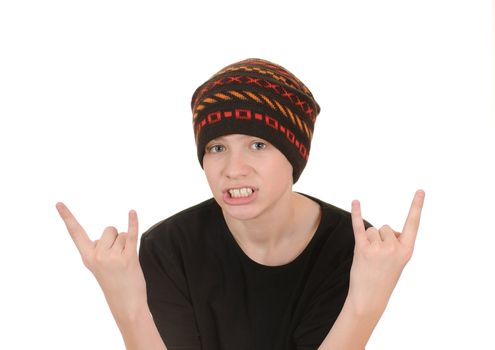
<point x="379" y="258"/>
<point x="114" y="262"/>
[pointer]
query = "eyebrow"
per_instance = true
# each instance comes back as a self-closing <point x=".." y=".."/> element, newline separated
<point x="213" y="141"/>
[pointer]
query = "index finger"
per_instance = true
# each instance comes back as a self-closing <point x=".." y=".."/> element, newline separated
<point x="77" y="233"/>
<point x="411" y="226"/>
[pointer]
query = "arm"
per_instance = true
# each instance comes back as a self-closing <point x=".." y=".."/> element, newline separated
<point x="139" y="331"/>
<point x="379" y="258"/>
<point x="114" y="262"/>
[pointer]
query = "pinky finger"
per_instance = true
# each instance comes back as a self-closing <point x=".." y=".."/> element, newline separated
<point x="358" y="224"/>
<point x="133" y="229"/>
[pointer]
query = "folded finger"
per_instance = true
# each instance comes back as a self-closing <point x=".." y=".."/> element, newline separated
<point x="373" y="235"/>
<point x="107" y="238"/>
<point x="120" y="241"/>
<point x="387" y="234"/>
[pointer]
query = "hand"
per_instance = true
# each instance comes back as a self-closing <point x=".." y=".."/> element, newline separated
<point x="379" y="258"/>
<point x="114" y="262"/>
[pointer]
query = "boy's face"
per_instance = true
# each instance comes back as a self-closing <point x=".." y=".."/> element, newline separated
<point x="247" y="175"/>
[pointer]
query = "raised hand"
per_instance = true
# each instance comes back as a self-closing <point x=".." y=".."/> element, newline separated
<point x="114" y="262"/>
<point x="379" y="258"/>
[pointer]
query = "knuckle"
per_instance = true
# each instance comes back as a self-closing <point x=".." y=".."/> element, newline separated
<point x="408" y="254"/>
<point x="100" y="257"/>
<point x="115" y="256"/>
<point x="372" y="251"/>
<point x="109" y="231"/>
<point x="371" y="229"/>
<point x="87" y="261"/>
<point x="391" y="249"/>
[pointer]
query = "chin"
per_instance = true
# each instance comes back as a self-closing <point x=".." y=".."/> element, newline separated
<point x="242" y="213"/>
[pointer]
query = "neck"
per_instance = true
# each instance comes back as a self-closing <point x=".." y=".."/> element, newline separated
<point x="291" y="216"/>
<point x="268" y="228"/>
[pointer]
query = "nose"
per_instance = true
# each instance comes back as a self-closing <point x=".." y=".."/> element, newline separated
<point x="236" y="165"/>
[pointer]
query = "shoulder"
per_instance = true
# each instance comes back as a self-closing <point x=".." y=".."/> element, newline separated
<point x="336" y="214"/>
<point x="337" y="229"/>
<point x="186" y="244"/>
<point x="189" y="221"/>
<point x="331" y="215"/>
<point x="335" y="237"/>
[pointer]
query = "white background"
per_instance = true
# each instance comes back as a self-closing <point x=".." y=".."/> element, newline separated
<point x="94" y="111"/>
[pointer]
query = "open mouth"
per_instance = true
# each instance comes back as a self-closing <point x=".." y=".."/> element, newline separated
<point x="242" y="192"/>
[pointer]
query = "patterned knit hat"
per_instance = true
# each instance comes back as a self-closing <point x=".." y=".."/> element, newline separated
<point x="258" y="98"/>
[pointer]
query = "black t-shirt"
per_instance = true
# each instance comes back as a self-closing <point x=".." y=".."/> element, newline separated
<point x="205" y="293"/>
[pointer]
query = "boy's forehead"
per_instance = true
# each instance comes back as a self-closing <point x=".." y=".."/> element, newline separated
<point x="233" y="137"/>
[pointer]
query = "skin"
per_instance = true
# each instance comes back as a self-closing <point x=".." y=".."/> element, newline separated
<point x="240" y="160"/>
<point x="114" y="262"/>
<point x="379" y="259"/>
<point x="380" y="255"/>
<point x="275" y="227"/>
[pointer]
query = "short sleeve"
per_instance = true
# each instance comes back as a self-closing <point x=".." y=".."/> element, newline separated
<point x="328" y="296"/>
<point x="324" y="308"/>
<point x="168" y="296"/>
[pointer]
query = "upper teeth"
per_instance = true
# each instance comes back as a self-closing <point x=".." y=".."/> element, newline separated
<point x="241" y="192"/>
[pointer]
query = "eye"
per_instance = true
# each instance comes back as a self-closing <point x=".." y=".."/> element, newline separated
<point x="258" y="145"/>
<point x="215" y="148"/>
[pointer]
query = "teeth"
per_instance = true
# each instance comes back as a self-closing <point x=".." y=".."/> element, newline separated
<point x="241" y="192"/>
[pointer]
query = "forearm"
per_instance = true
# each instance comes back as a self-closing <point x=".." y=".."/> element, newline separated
<point x="352" y="329"/>
<point x="379" y="258"/>
<point x="139" y="331"/>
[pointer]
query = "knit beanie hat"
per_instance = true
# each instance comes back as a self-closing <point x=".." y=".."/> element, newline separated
<point x="258" y="98"/>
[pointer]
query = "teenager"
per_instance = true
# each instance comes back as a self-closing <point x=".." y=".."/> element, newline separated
<point x="258" y="266"/>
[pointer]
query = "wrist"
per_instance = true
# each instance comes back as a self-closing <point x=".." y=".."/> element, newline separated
<point x="362" y="310"/>
<point x="132" y="313"/>
<point x="353" y="327"/>
<point x="138" y="329"/>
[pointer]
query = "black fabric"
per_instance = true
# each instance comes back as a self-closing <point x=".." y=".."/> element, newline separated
<point x="205" y="293"/>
